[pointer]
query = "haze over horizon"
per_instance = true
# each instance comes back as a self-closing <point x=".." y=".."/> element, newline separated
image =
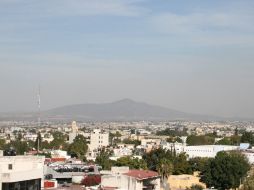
<point x="195" y="57"/>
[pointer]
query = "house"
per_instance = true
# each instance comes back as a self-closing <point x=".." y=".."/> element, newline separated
<point x="123" y="178"/>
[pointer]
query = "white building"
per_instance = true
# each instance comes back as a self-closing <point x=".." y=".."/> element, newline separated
<point x="30" y="136"/>
<point x="98" y="139"/>
<point x="209" y="151"/>
<point x="121" y="152"/>
<point x="21" y="172"/>
<point x="143" y="132"/>
<point x="59" y="154"/>
<point x="47" y="137"/>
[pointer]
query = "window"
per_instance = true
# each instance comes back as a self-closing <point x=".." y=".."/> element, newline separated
<point x="34" y="184"/>
<point x="10" y="166"/>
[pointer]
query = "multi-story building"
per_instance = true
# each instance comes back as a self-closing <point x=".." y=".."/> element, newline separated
<point x="209" y="151"/>
<point x="21" y="172"/>
<point x="30" y="136"/>
<point x="98" y="139"/>
<point x="149" y="144"/>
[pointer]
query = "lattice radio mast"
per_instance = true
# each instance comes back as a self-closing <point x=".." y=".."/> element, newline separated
<point x="39" y="105"/>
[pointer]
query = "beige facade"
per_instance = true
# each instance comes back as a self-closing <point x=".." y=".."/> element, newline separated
<point x="184" y="181"/>
<point x="98" y="139"/>
<point x="74" y="132"/>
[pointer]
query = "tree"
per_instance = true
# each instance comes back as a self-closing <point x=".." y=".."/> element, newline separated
<point x="59" y="140"/>
<point x="78" y="147"/>
<point x="224" y="141"/>
<point x="173" y="133"/>
<point x="198" y="163"/>
<point x="2" y="144"/>
<point x="235" y="140"/>
<point x="103" y="159"/>
<point x="174" y="139"/>
<point x="20" y="146"/>
<point x="118" y="134"/>
<point x="132" y="163"/>
<point x="165" y="168"/>
<point x="153" y="157"/>
<point x="247" y="137"/>
<point x="32" y="131"/>
<point x="114" y="138"/>
<point x="133" y="131"/>
<point x="200" y="140"/>
<point x="181" y="165"/>
<point x="45" y="145"/>
<point x="195" y="187"/>
<point x="170" y="139"/>
<point x="19" y="136"/>
<point x="225" y="171"/>
<point x="129" y="141"/>
<point x="179" y="140"/>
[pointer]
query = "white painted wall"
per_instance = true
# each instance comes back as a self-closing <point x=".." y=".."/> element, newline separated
<point x="121" y="182"/>
<point x="249" y="156"/>
<point x="98" y="139"/>
<point x="209" y="151"/>
<point x="23" y="168"/>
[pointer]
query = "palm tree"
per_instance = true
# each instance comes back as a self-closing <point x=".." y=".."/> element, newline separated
<point x="165" y="168"/>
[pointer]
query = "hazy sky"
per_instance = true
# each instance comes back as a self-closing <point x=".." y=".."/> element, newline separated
<point x="192" y="55"/>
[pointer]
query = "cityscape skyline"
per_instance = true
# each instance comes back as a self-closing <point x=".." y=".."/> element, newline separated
<point x="195" y="57"/>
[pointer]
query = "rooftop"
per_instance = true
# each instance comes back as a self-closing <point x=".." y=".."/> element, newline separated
<point x="142" y="174"/>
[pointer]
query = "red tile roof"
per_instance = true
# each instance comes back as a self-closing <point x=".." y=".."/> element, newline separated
<point x="57" y="159"/>
<point x="142" y="174"/>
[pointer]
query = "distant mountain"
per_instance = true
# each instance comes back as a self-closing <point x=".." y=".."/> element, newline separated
<point x="123" y="110"/>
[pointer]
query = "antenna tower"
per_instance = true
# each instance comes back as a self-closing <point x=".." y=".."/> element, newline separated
<point x="39" y="117"/>
<point x="39" y="106"/>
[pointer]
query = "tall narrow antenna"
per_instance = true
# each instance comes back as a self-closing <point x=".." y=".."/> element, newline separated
<point x="39" y="105"/>
<point x="39" y="116"/>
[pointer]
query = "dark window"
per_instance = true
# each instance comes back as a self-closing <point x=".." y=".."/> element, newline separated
<point x="34" y="184"/>
<point x="10" y="166"/>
